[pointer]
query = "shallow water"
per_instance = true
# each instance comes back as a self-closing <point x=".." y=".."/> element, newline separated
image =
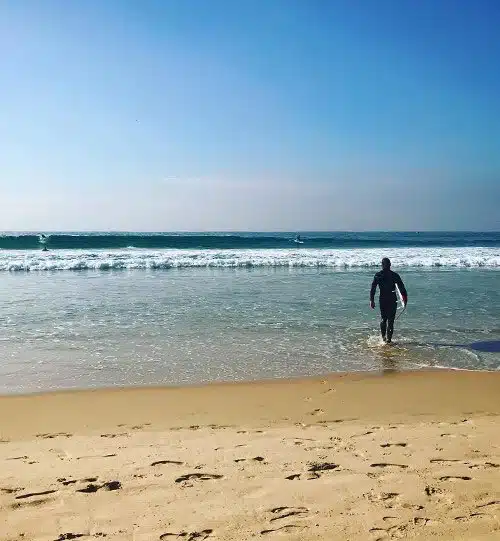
<point x="82" y="329"/>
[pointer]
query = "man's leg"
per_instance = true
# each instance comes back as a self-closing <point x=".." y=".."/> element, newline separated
<point x="383" y="325"/>
<point x="390" y="329"/>
<point x="390" y="319"/>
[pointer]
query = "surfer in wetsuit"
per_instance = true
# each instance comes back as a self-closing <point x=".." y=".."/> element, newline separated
<point x="43" y="241"/>
<point x="387" y="280"/>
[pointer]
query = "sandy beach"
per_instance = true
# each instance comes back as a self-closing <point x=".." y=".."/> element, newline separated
<point x="344" y="457"/>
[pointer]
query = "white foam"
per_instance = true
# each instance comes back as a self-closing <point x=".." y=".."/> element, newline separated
<point x="36" y="260"/>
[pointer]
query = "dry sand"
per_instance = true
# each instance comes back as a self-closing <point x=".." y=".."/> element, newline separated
<point x="354" y="457"/>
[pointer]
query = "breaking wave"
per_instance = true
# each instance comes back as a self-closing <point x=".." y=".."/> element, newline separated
<point x="97" y="260"/>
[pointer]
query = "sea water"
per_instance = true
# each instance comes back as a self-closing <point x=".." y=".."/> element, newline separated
<point x="98" y="310"/>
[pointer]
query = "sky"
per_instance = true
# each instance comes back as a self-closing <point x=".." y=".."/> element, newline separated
<point x="266" y="115"/>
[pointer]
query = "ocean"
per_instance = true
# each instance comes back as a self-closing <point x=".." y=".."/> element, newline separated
<point x="115" y="309"/>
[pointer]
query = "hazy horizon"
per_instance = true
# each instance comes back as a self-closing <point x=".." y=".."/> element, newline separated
<point x="243" y="231"/>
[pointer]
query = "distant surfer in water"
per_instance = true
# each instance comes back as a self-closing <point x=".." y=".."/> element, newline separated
<point x="43" y="241"/>
<point x="387" y="280"/>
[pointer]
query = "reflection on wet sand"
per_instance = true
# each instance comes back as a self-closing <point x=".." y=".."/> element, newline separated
<point x="389" y="359"/>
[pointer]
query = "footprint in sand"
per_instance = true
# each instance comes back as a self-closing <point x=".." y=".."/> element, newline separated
<point x="255" y="458"/>
<point x="288" y="528"/>
<point x="383" y="532"/>
<point x="431" y="491"/>
<point x="402" y="444"/>
<point x="96" y="456"/>
<point x="393" y="531"/>
<point x="139" y="427"/>
<point x="319" y="448"/>
<point x="314" y="470"/>
<point x="367" y="433"/>
<point x="322" y="466"/>
<point x="280" y="513"/>
<point x="69" y="535"/>
<point x="337" y="421"/>
<point x="52" y="436"/>
<point x="310" y="476"/>
<point x="388" y="497"/>
<point x="197" y="477"/>
<point x="388" y="465"/>
<point x="445" y="461"/>
<point x="473" y="517"/>
<point x="422" y="521"/>
<point x="67" y="482"/>
<point x="188" y="536"/>
<point x="162" y="462"/>
<point x="455" y="478"/>
<point x="109" y="485"/>
<point x="488" y="504"/>
<point x="30" y="503"/>
<point x="33" y="494"/>
<point x="391" y="500"/>
<point x="484" y="465"/>
<point x="412" y="506"/>
<point x="11" y="490"/>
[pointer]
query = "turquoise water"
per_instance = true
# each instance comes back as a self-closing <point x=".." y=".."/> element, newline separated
<point x="248" y="240"/>
<point x="191" y="324"/>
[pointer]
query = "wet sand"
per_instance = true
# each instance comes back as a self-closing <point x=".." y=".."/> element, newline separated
<point x="343" y="457"/>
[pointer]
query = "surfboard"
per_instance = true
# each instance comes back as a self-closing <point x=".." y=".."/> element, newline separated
<point x="403" y="306"/>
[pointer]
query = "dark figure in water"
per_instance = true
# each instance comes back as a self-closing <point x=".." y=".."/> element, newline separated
<point x="387" y="281"/>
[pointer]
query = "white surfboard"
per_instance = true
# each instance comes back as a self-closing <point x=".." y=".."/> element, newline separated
<point x="403" y="305"/>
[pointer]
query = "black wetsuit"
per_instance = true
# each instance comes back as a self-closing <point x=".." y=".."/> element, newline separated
<point x="387" y="280"/>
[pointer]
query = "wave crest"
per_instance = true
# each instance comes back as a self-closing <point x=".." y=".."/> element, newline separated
<point x="66" y="260"/>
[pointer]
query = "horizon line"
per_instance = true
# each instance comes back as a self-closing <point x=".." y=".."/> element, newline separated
<point x="225" y="231"/>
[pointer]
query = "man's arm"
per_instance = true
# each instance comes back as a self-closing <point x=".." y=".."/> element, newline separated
<point x="372" y="291"/>
<point x="402" y="288"/>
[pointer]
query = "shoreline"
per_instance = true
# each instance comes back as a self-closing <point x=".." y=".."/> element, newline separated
<point x="328" y="375"/>
<point x="364" y="395"/>
<point x="222" y="383"/>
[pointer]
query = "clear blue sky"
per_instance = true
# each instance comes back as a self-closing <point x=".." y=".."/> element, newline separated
<point x="249" y="114"/>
